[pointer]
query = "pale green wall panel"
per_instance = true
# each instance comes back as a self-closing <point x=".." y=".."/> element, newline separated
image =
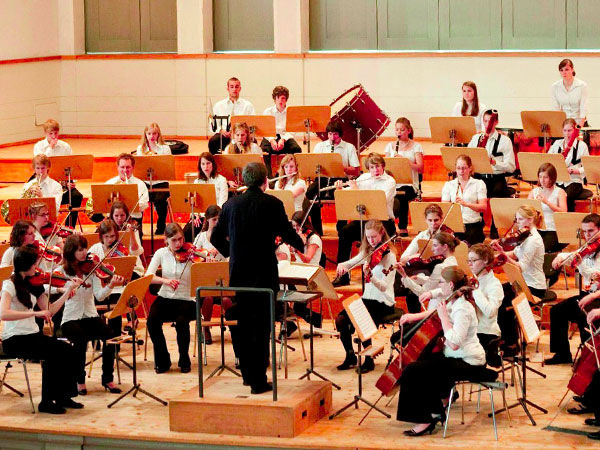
<point x="112" y="25"/>
<point x="158" y="21"/>
<point x="583" y="18"/>
<point x="533" y="24"/>
<point x="243" y="25"/>
<point x="407" y="24"/>
<point x="470" y="24"/>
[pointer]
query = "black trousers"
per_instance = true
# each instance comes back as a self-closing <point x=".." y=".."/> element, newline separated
<point x="79" y="332"/>
<point x="159" y="200"/>
<point x="311" y="192"/>
<point x="550" y="239"/>
<point x="491" y="350"/>
<point x="412" y="301"/>
<point x="561" y="315"/>
<point x="76" y="199"/>
<point x="573" y="191"/>
<point x="401" y="202"/>
<point x="507" y="320"/>
<point x="290" y="146"/>
<point x="215" y="142"/>
<point x="58" y="363"/>
<point x="182" y="312"/>
<point x="425" y="383"/>
<point x="378" y="311"/>
<point x="349" y="232"/>
<point x="496" y="188"/>
<point x="473" y="233"/>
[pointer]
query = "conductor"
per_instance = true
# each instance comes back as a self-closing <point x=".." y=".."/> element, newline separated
<point x="246" y="232"/>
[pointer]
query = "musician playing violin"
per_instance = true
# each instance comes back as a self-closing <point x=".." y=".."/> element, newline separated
<point x="21" y="336"/>
<point x="425" y="383"/>
<point x="22" y="233"/>
<point x="119" y="213"/>
<point x="378" y="295"/>
<point x="587" y="262"/>
<point x="80" y="321"/>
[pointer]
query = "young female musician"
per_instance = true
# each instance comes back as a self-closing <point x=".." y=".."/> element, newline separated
<point x="21" y="337"/>
<point x="570" y="94"/>
<point x="119" y="213"/>
<point x="553" y="198"/>
<point x="427" y="287"/>
<point x="22" y="233"/>
<point x="174" y="302"/>
<point x="208" y="173"/>
<point x="405" y="147"/>
<point x="572" y="149"/>
<point x="40" y="217"/>
<point x="293" y="182"/>
<point x="80" y="321"/>
<point x="471" y="195"/>
<point x="424" y="383"/>
<point x="488" y="298"/>
<point x="241" y="142"/>
<point x="378" y="295"/>
<point x="469" y="105"/>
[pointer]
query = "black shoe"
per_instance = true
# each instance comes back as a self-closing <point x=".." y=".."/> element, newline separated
<point x="70" y="404"/>
<point x="367" y="366"/>
<point x="261" y="389"/>
<point x="163" y="369"/>
<point x="429" y="430"/>
<point x="344" y="280"/>
<point x="186" y="369"/>
<point x="82" y="391"/>
<point x="315" y="335"/>
<point x="207" y="336"/>
<point x="592" y="421"/>
<point x="160" y="230"/>
<point x="595" y="435"/>
<point x="112" y="390"/>
<point x="51" y="408"/>
<point x="579" y="399"/>
<point x="349" y="362"/>
<point x="558" y="359"/>
<point x="581" y="409"/>
<point x="290" y="327"/>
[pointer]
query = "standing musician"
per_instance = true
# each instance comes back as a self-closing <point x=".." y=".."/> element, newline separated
<point x="471" y="195"/>
<point x="22" y="233"/>
<point x="292" y="181"/>
<point x="119" y="213"/>
<point x="469" y="105"/>
<point x="284" y="142"/>
<point x="174" y="302"/>
<point x="528" y="255"/>
<point x="153" y="144"/>
<point x="553" y="198"/>
<point x="572" y="149"/>
<point x="405" y="147"/>
<point x="80" y="321"/>
<point x="349" y="232"/>
<point x="378" y="258"/>
<point x="233" y="105"/>
<point x="350" y="161"/>
<point x="488" y="297"/>
<point x="51" y="145"/>
<point x="426" y="383"/>
<point x="570" y="94"/>
<point x="587" y="262"/>
<point x="246" y="232"/>
<point x="21" y="337"/>
<point x="242" y="141"/>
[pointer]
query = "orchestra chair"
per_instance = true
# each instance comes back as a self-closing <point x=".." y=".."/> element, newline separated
<point x="8" y="360"/>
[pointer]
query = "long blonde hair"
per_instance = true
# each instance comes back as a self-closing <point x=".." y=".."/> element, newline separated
<point x="153" y="126"/>
<point x="376" y="225"/>
<point x="246" y="146"/>
<point x="281" y="172"/>
<point x="531" y="213"/>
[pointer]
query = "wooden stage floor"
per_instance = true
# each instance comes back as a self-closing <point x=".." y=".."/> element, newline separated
<point x="140" y="422"/>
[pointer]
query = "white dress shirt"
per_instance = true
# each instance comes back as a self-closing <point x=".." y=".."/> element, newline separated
<point x="142" y="192"/>
<point x="572" y="101"/>
<point x="588" y="266"/>
<point x="392" y="150"/>
<point x="7" y="257"/>
<point x="60" y="149"/>
<point x="221" y="187"/>
<point x="172" y="269"/>
<point x="254" y="148"/>
<point x="546" y="210"/>
<point x="413" y="247"/>
<point x="464" y="334"/>
<point x="474" y="191"/>
<point x="488" y="298"/>
<point x="581" y="149"/>
<point x="381" y="287"/>
<point x="98" y="249"/>
<point x="19" y="327"/>
<point x="505" y="161"/>
<point x="531" y="260"/>
<point x="156" y="149"/>
<point x="81" y="305"/>
<point x="345" y="149"/>
<point x="202" y="241"/>
<point x="384" y="182"/>
<point x="431" y="284"/>
<point x="280" y="121"/>
<point x="226" y="107"/>
<point x="456" y="112"/>
<point x="314" y="239"/>
<point x="49" y="188"/>
<point x="290" y="185"/>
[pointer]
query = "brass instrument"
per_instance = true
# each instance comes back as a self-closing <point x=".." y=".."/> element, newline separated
<point x="30" y="192"/>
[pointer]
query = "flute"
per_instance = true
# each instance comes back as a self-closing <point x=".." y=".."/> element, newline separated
<point x="345" y="184"/>
<point x="269" y="180"/>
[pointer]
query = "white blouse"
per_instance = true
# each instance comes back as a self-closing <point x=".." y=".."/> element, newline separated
<point x="588" y="266"/>
<point x="290" y="186"/>
<point x="392" y="150"/>
<point x="345" y="149"/>
<point x="202" y="241"/>
<point x="431" y="284"/>
<point x="474" y="191"/>
<point x="464" y="334"/>
<point x="546" y="210"/>
<point x="98" y="249"/>
<point x="385" y="183"/>
<point x="60" y="149"/>
<point x="19" y="327"/>
<point x="478" y="118"/>
<point x="49" y="188"/>
<point x="372" y="292"/>
<point x="221" y="188"/>
<point x="316" y="240"/>
<point x="488" y="298"/>
<point x="82" y="305"/>
<point x="172" y="269"/>
<point x="7" y="257"/>
<point x="531" y="260"/>
<point x="572" y="101"/>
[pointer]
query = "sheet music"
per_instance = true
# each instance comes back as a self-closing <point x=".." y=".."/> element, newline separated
<point x="363" y="319"/>
<point x="527" y="321"/>
<point x="293" y="270"/>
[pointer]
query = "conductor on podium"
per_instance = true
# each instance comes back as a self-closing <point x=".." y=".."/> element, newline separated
<point x="246" y="232"/>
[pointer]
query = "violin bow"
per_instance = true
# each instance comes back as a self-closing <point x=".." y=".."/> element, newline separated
<point x="440" y="227"/>
<point x="359" y="262"/>
<point x="583" y="247"/>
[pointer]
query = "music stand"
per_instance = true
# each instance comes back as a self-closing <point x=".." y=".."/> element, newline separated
<point x="452" y="130"/>
<point x="213" y="274"/>
<point x="453" y="219"/>
<point x="479" y="156"/>
<point x="150" y="168"/>
<point x="307" y="119"/>
<point x="124" y="265"/>
<point x="400" y="169"/>
<point x="18" y="208"/>
<point x="286" y="197"/>
<point x="192" y="198"/>
<point x="3" y="248"/>
<point x="259" y="125"/>
<point x="360" y="204"/>
<point x="128" y="302"/>
<point x="544" y="124"/>
<point x="231" y="166"/>
<point x="93" y="238"/>
<point x="504" y="210"/>
<point x="591" y="166"/>
<point x="568" y="227"/>
<point x="104" y="195"/>
<point x="530" y="162"/>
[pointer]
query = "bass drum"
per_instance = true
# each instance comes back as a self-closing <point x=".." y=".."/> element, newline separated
<point x="353" y="109"/>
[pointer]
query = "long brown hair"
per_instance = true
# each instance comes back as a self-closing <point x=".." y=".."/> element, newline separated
<point x="72" y="244"/>
<point x="213" y="173"/>
<point x="283" y="181"/>
<point x="465" y="105"/>
<point x="376" y="225"/>
<point x="18" y="232"/>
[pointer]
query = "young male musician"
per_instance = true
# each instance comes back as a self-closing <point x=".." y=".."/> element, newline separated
<point x="587" y="262"/>
<point x="233" y="105"/>
<point x="51" y="145"/>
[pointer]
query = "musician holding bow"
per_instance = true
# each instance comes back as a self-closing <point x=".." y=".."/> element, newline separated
<point x="375" y="254"/>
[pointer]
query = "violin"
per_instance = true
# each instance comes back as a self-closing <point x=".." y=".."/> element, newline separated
<point x="92" y="264"/>
<point x="41" y="278"/>
<point x="120" y="250"/>
<point x="51" y="228"/>
<point x="189" y="252"/>
<point x="375" y="259"/>
<point x="418" y="265"/>
<point x="513" y="239"/>
<point x="49" y="253"/>
<point x="590" y="248"/>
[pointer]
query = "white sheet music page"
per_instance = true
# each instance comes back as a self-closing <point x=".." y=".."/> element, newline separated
<point x="529" y="326"/>
<point x="363" y="319"/>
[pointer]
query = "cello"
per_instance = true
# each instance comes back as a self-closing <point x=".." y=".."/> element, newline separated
<point x="586" y="364"/>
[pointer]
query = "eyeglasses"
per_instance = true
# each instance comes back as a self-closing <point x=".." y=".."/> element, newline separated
<point x="46" y="214"/>
<point x="473" y="261"/>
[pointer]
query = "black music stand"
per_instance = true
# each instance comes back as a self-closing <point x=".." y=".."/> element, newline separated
<point x="192" y="198"/>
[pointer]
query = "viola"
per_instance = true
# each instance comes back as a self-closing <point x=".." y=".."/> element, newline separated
<point x="513" y="239"/>
<point x="375" y="259"/>
<point x="189" y="252"/>
<point x="92" y="263"/>
<point x="446" y="229"/>
<point x="49" y="253"/>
